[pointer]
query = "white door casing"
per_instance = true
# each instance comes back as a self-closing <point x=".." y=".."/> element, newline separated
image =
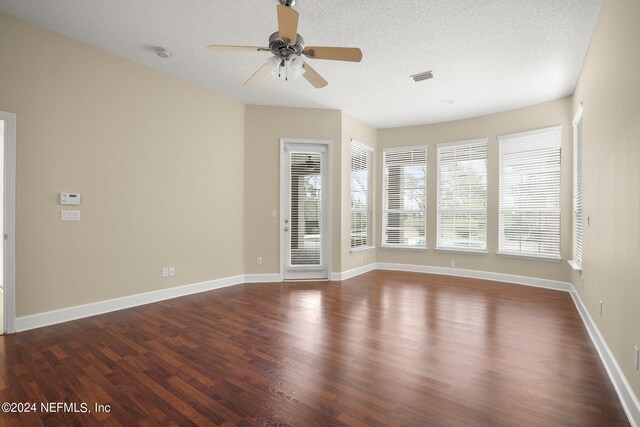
<point x="305" y="209"/>
<point x="9" y="237"/>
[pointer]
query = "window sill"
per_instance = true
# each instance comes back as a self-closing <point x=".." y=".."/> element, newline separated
<point x="362" y="249"/>
<point x="576" y="265"/>
<point x="529" y="257"/>
<point x="404" y="248"/>
<point x="462" y="251"/>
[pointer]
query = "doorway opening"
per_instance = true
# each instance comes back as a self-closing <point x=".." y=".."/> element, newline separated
<point x="305" y="194"/>
<point x="7" y="221"/>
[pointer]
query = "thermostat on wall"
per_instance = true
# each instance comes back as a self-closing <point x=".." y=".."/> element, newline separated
<point x="69" y="198"/>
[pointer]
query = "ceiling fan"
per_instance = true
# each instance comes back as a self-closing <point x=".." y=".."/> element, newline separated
<point x="287" y="47"/>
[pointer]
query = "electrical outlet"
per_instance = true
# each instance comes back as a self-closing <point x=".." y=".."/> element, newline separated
<point x="172" y="271"/>
<point x="600" y="308"/>
<point x="259" y="260"/>
<point x="165" y="271"/>
<point x="453" y="264"/>
<point x="636" y="355"/>
<point x="582" y="282"/>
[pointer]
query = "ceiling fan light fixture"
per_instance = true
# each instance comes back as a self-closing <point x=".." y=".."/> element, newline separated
<point x="287" y="47"/>
<point x="296" y="63"/>
<point x="293" y="66"/>
<point x="274" y="64"/>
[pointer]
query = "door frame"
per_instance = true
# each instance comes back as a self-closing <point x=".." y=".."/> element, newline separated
<point x="9" y="299"/>
<point x="327" y="200"/>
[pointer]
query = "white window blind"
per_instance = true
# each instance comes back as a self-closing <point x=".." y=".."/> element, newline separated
<point x="361" y="195"/>
<point x="306" y="209"/>
<point x="404" y="197"/>
<point x="529" y="218"/>
<point x="462" y="195"/>
<point x="577" y="188"/>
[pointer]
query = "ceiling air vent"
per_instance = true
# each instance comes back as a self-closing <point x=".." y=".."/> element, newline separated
<point x="422" y="76"/>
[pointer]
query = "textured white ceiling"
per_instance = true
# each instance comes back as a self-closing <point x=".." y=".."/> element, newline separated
<point x="486" y="55"/>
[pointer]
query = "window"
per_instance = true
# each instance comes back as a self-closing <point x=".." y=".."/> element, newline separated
<point x="404" y="197"/>
<point x="361" y="195"/>
<point x="462" y="195"/>
<point x="529" y="213"/>
<point x="576" y="263"/>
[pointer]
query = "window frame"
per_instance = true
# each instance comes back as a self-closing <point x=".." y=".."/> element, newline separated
<point x="440" y="210"/>
<point x="384" y="212"/>
<point x="370" y="152"/>
<point x="578" y="208"/>
<point x="555" y="133"/>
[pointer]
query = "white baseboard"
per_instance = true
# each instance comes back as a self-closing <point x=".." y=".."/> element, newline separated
<point x="47" y="318"/>
<point x="627" y="397"/>
<point x="53" y="317"/>
<point x="625" y="392"/>
<point x="623" y="388"/>
<point x="38" y="320"/>
<point x="262" y="278"/>
<point x="354" y="272"/>
<point x="476" y="274"/>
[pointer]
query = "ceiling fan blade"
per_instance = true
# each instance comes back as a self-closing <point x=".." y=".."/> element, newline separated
<point x="313" y="77"/>
<point x="258" y="76"/>
<point x="287" y="24"/>
<point x="352" y="54"/>
<point x="224" y="47"/>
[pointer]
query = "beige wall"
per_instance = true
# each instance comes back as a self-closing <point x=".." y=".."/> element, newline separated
<point x="361" y="132"/>
<point x="148" y="153"/>
<point x="264" y="126"/>
<point x="609" y="87"/>
<point x="172" y="174"/>
<point x="535" y="117"/>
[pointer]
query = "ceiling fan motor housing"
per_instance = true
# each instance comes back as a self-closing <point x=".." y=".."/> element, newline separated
<point x="284" y="50"/>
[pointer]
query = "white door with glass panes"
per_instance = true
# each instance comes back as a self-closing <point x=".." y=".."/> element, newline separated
<point x="304" y="223"/>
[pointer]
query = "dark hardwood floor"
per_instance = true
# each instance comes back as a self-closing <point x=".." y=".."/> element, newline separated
<point x="384" y="348"/>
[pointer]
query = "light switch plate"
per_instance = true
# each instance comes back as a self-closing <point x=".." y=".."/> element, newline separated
<point x="70" y="215"/>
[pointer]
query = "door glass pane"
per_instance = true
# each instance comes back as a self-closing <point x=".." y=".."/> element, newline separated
<point x="306" y="221"/>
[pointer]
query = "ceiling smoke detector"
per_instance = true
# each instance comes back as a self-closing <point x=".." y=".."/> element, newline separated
<point x="162" y="53"/>
<point x="422" y="76"/>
